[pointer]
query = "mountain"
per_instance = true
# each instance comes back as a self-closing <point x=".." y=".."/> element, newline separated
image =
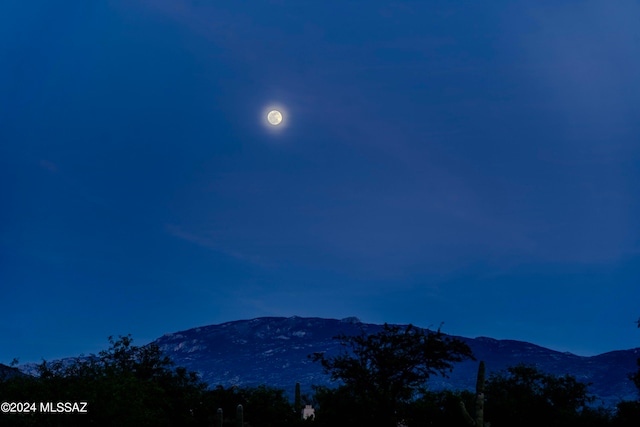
<point x="274" y="351"/>
<point x="7" y="372"/>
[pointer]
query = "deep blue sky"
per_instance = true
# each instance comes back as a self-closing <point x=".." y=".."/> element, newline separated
<point x="472" y="163"/>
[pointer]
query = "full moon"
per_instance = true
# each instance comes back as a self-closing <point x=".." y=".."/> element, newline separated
<point x="274" y="117"/>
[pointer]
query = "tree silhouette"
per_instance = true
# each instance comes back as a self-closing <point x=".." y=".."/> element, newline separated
<point x="523" y="395"/>
<point x="124" y="385"/>
<point x="385" y="371"/>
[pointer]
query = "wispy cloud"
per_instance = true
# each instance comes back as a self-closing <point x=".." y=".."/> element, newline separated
<point x="202" y="239"/>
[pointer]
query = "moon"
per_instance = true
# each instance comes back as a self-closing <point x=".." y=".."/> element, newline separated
<point x="274" y="117"/>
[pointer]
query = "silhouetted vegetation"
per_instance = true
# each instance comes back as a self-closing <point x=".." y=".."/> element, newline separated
<point x="477" y="420"/>
<point x="525" y="396"/>
<point x="636" y="376"/>
<point x="383" y="373"/>
<point x="127" y="385"/>
<point x="628" y="413"/>
<point x="124" y="386"/>
<point x="384" y="379"/>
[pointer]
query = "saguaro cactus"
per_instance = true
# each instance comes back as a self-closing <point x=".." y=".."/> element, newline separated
<point x="219" y="417"/>
<point x="479" y="409"/>
<point x="239" y="416"/>
<point x="297" y="405"/>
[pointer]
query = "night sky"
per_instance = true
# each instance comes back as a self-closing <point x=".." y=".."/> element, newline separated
<point x="472" y="163"/>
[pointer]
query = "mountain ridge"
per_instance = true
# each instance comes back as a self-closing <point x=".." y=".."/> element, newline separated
<point x="274" y="351"/>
